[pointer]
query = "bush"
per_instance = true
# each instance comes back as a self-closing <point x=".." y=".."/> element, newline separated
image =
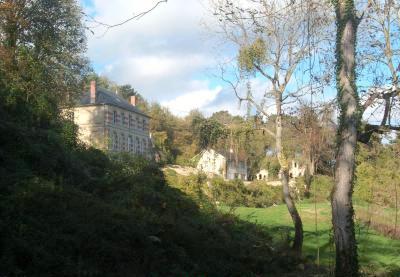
<point x="262" y="195"/>
<point x="70" y="211"/>
<point x="321" y="187"/>
<point x="230" y="193"/>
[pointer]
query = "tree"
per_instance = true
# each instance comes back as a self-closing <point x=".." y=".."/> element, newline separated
<point x="315" y="131"/>
<point x="42" y="45"/>
<point x="379" y="55"/>
<point x="270" y="38"/>
<point x="349" y="122"/>
<point x="126" y="91"/>
<point x="209" y="131"/>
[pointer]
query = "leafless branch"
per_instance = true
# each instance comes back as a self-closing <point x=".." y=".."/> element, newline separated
<point x="234" y="87"/>
<point x="110" y="26"/>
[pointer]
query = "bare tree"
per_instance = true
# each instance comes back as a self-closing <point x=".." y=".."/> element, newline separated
<point x="315" y="129"/>
<point x="273" y="44"/>
<point x="379" y="49"/>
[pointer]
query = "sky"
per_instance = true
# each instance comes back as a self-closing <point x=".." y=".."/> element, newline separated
<point x="168" y="55"/>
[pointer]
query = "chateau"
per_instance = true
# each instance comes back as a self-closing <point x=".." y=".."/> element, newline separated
<point x="107" y="121"/>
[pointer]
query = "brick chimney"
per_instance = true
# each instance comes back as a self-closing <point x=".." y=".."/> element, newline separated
<point x="133" y="100"/>
<point x="92" y="92"/>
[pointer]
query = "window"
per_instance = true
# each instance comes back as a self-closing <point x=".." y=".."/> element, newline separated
<point x="123" y="142"/>
<point x="115" y="142"/>
<point x="123" y="119"/>
<point x="130" y="144"/>
<point x="115" y="117"/>
<point x="144" y="124"/>
<point x="130" y="121"/>
<point x="137" y="122"/>
<point x="144" y="146"/>
<point x="137" y="145"/>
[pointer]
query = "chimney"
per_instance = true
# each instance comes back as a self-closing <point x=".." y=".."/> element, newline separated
<point x="133" y="100"/>
<point x="92" y="92"/>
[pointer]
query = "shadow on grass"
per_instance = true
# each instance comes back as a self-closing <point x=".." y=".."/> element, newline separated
<point x="378" y="255"/>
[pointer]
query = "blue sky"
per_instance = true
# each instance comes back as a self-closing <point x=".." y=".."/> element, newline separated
<point x="170" y="56"/>
<point x="167" y="55"/>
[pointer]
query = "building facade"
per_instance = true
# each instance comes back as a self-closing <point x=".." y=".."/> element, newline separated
<point x="236" y="170"/>
<point x="107" y="121"/>
<point x="212" y="162"/>
<point x="215" y="163"/>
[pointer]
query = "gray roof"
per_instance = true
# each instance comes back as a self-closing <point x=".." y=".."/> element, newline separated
<point x="105" y="97"/>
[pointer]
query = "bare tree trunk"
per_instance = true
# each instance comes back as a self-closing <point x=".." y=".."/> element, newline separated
<point x="309" y="174"/>
<point x="342" y="206"/>
<point x="298" y="225"/>
<point x="308" y="177"/>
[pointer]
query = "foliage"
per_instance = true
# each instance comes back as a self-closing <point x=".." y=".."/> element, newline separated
<point x="67" y="210"/>
<point x="321" y="188"/>
<point x="377" y="173"/>
<point x="41" y="57"/>
<point x="272" y="165"/>
<point x="80" y="212"/>
<point x="252" y="55"/>
<point x="209" y="131"/>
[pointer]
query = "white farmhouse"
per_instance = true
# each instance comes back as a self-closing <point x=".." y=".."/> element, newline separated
<point x="212" y="162"/>
<point x="215" y="163"/>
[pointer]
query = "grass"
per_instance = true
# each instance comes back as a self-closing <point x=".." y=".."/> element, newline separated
<point x="377" y="253"/>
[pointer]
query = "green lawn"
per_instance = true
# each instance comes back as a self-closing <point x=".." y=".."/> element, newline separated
<point x="376" y="252"/>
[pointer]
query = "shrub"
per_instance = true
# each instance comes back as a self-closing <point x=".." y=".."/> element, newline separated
<point x="321" y="187"/>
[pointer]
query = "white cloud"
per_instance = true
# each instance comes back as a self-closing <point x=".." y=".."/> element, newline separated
<point x="165" y="55"/>
<point x="195" y="99"/>
<point x="162" y="55"/>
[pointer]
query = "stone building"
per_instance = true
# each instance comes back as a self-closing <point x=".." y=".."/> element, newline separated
<point x="109" y="122"/>
<point x="215" y="163"/>
<point x="236" y="169"/>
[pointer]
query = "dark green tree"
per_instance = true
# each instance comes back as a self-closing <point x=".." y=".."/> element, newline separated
<point x="42" y="60"/>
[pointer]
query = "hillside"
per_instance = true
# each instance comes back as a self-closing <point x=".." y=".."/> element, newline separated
<point x="78" y="212"/>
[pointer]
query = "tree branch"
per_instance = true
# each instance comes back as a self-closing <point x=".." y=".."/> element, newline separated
<point x="369" y="129"/>
<point x="247" y="98"/>
<point x="137" y="16"/>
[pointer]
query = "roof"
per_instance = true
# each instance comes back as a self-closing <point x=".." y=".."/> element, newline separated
<point x="228" y="156"/>
<point x="211" y="151"/>
<point x="106" y="97"/>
